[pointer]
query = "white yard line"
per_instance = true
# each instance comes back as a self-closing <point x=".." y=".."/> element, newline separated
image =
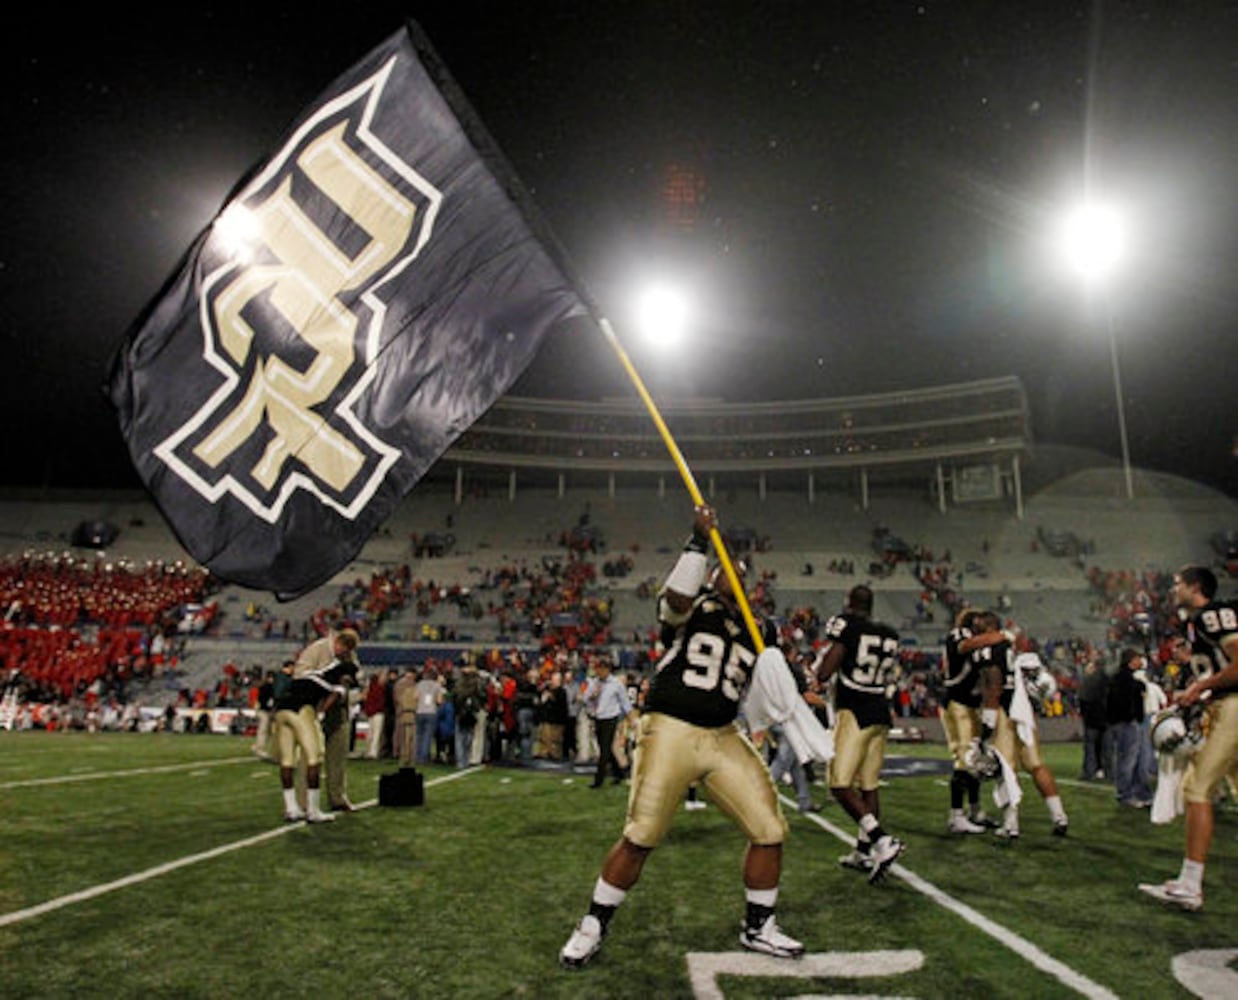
<point x="1091" y="786"/>
<point x="98" y="775"/>
<point x="17" y="916"/>
<point x="1029" y="952"/>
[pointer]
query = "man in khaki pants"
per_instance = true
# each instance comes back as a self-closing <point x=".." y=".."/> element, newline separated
<point x="404" y="740"/>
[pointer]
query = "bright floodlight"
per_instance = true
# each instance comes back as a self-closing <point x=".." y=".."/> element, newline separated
<point x="237" y="232"/>
<point x="1094" y="240"/>
<point x="662" y="316"/>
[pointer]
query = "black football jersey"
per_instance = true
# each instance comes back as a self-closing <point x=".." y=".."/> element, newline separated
<point x="867" y="669"/>
<point x="998" y="655"/>
<point x="706" y="667"/>
<point x="1209" y="629"/>
<point x="962" y="677"/>
<point x="312" y="688"/>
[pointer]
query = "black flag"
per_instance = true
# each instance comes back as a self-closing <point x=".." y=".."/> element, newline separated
<point x="365" y="295"/>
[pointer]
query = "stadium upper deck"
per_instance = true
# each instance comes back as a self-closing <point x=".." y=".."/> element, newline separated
<point x="968" y="438"/>
<point x="796" y="473"/>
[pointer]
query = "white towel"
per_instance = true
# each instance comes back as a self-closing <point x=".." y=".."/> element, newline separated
<point x="1167" y="802"/>
<point x="774" y="699"/>
<point x="1021" y="713"/>
<point x="1006" y="790"/>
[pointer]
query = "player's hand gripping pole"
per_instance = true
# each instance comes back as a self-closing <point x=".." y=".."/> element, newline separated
<point x="724" y="557"/>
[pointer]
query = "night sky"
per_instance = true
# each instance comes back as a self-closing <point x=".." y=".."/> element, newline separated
<point x="875" y="186"/>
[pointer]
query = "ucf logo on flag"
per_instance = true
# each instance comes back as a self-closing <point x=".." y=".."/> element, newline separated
<point x="363" y="298"/>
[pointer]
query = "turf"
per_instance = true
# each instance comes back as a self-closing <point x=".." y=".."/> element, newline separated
<point x="473" y="894"/>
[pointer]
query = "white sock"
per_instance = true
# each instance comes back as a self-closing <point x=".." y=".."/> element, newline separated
<point x="762" y="897"/>
<point x="290" y="800"/>
<point x="1054" y="802"/>
<point x="606" y="894"/>
<point x="313" y="798"/>
<point x="1192" y="875"/>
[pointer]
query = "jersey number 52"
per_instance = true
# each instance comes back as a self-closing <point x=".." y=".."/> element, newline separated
<point x="874" y="659"/>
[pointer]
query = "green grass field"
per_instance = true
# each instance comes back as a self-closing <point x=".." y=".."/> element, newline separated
<point x="473" y="894"/>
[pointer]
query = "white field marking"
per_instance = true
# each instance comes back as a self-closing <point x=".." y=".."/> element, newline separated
<point x="1092" y="786"/>
<point x="17" y="916"/>
<point x="78" y="897"/>
<point x="704" y="968"/>
<point x="1207" y="973"/>
<point x="1029" y="952"/>
<point x="97" y="775"/>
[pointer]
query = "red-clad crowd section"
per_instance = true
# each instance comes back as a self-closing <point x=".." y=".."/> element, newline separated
<point x="68" y="620"/>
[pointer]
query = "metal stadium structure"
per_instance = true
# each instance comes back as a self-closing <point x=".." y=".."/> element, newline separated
<point x="965" y="440"/>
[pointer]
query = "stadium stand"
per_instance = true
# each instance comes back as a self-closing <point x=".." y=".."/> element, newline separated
<point x="819" y="495"/>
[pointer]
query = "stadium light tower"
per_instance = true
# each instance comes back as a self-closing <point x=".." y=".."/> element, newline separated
<point x="1094" y="243"/>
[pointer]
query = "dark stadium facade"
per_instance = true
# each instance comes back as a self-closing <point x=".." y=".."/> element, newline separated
<point x="962" y="442"/>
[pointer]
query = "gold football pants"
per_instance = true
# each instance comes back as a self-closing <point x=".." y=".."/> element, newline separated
<point x="858" y="753"/>
<point x="299" y="729"/>
<point x="1007" y="743"/>
<point x="672" y="754"/>
<point x="962" y="725"/>
<point x="1218" y="756"/>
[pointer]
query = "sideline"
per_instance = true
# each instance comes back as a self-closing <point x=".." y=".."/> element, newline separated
<point x="1022" y="947"/>
<point x="17" y="916"/>
<point x="97" y="775"/>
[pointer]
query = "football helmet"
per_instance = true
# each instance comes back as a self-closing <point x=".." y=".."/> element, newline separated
<point x="1041" y="684"/>
<point x="1178" y="730"/>
<point x="981" y="760"/>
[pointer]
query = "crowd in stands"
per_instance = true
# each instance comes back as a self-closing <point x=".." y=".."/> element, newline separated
<point x="77" y="628"/>
<point x="78" y="631"/>
<point x="236" y="687"/>
<point x="61" y="589"/>
<point x="365" y="604"/>
<point x="1133" y="602"/>
<point x="551" y="602"/>
<point x="58" y="664"/>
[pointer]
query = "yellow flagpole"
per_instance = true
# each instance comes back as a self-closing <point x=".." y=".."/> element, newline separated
<point x="728" y="567"/>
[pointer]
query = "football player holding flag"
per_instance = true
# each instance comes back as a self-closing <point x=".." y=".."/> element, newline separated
<point x="689" y="734"/>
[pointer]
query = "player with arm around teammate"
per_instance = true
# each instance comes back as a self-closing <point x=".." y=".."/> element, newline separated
<point x="1007" y="722"/>
<point x="689" y="734"/>
<point x="335" y="646"/>
<point x="298" y="727"/>
<point x="960" y="718"/>
<point x="863" y="657"/>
